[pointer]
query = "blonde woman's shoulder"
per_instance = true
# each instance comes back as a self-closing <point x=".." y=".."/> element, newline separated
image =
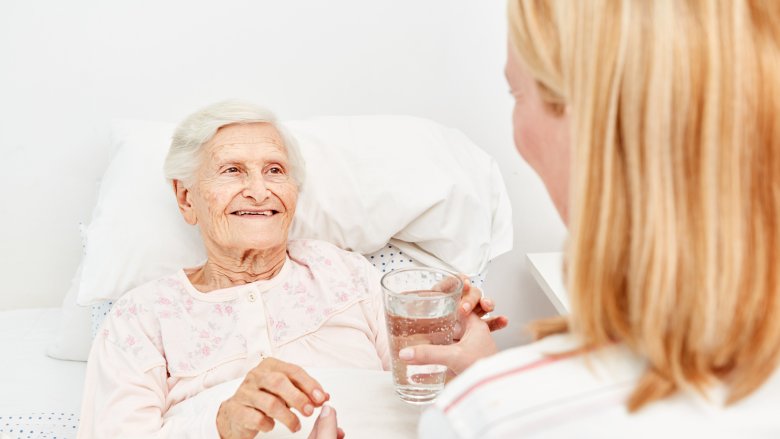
<point x="552" y="389"/>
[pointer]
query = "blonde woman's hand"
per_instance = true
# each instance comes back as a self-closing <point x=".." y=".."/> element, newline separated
<point x="472" y="301"/>
<point x="268" y="394"/>
<point x="474" y="344"/>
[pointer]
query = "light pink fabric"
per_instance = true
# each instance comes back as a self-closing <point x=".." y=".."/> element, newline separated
<point x="164" y="342"/>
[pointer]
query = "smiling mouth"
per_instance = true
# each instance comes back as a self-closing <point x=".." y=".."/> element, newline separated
<point x="255" y="213"/>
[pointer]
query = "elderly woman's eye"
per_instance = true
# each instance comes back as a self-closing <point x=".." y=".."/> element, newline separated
<point x="275" y="173"/>
<point x="230" y="170"/>
<point x="275" y="170"/>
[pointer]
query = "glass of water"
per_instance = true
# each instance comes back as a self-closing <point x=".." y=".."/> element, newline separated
<point x="420" y="308"/>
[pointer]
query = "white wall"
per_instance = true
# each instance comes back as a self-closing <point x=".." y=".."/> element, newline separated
<point x="69" y="67"/>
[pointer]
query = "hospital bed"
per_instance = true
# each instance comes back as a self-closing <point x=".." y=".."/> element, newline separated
<point x="457" y="217"/>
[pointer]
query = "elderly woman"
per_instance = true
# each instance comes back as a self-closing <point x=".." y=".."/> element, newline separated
<point x="260" y="307"/>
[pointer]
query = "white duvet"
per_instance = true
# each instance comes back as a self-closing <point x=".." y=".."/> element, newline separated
<point x="365" y="402"/>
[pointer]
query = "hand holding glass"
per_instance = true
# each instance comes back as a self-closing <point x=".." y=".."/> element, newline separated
<point x="420" y="308"/>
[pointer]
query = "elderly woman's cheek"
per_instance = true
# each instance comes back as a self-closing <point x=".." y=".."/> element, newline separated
<point x="292" y="195"/>
<point x="213" y="199"/>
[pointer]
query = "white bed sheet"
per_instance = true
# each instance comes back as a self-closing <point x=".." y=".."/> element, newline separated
<point x="365" y="403"/>
<point x="39" y="396"/>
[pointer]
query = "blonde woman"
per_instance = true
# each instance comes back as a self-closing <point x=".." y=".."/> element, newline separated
<point x="669" y="110"/>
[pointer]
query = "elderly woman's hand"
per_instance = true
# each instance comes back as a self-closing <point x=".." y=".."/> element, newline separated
<point x="268" y="394"/>
<point x="472" y="301"/>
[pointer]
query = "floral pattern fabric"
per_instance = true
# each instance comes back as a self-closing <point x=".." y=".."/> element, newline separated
<point x="323" y="309"/>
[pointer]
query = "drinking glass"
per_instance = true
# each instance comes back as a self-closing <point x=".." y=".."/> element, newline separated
<point x="420" y="308"/>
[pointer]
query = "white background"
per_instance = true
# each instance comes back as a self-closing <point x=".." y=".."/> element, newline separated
<point x="67" y="68"/>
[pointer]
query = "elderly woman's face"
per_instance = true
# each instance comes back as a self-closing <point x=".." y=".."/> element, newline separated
<point x="243" y="197"/>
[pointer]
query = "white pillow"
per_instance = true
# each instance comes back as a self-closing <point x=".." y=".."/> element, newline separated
<point x="370" y="180"/>
<point x="424" y="187"/>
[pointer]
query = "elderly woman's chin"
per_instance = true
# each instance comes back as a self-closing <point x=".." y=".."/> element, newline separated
<point x="258" y="231"/>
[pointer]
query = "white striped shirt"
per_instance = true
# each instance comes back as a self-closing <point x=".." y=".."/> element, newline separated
<point x="527" y="393"/>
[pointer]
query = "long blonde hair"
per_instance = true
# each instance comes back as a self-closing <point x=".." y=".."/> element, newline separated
<point x="675" y="191"/>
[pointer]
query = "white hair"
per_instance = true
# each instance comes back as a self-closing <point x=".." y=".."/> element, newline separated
<point x="198" y="128"/>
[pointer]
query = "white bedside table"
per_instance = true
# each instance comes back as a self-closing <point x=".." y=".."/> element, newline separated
<point x="547" y="269"/>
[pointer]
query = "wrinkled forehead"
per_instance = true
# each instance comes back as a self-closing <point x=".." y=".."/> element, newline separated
<point x="257" y="138"/>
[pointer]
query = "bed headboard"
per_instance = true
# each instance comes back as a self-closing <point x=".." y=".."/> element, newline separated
<point x="70" y="67"/>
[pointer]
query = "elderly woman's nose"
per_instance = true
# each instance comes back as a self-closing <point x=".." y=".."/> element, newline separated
<point x="255" y="187"/>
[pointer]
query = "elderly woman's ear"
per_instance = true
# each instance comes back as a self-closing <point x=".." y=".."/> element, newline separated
<point x="183" y="200"/>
